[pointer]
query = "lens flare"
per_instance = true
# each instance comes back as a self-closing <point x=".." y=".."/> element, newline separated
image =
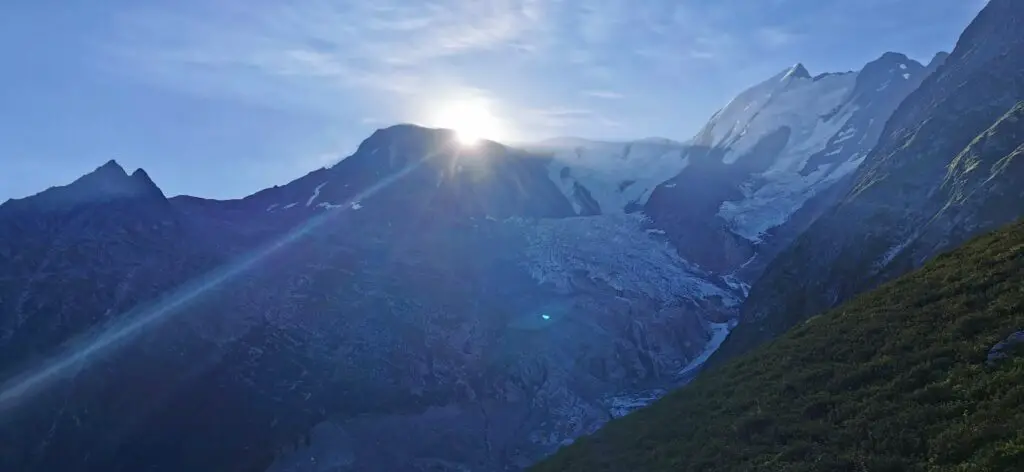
<point x="77" y="355"/>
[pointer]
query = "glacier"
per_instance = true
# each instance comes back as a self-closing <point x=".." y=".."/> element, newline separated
<point x="618" y="175"/>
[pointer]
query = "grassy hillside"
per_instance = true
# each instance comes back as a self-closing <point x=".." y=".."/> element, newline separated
<point x="895" y="380"/>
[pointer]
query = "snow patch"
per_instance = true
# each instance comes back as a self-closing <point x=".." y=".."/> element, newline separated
<point x="316" y="193"/>
<point x="355" y="205"/>
<point x="906" y="76"/>
<point x="737" y="284"/>
<point x="894" y="251"/>
<point x="719" y="331"/>
<point x="845" y="168"/>
<point x="289" y="205"/>
<point x="624" y="404"/>
<point x="271" y="207"/>
<point x="328" y="205"/>
<point x="845" y="135"/>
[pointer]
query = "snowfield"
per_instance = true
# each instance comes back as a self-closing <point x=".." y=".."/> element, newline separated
<point x="617" y="175"/>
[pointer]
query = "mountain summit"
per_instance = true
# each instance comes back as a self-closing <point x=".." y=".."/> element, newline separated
<point x="947" y="167"/>
<point x="771" y="160"/>
<point x="406" y="166"/>
<point x="798" y="71"/>
<point x="108" y="182"/>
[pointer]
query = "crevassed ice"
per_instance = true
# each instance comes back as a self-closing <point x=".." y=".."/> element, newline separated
<point x="617" y="250"/>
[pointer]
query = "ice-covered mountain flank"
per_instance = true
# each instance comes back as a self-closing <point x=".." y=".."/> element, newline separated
<point x="761" y="169"/>
<point x="767" y="163"/>
<point x="946" y="168"/>
<point x="610" y="177"/>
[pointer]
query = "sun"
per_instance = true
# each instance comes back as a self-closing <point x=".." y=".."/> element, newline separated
<point x="471" y="119"/>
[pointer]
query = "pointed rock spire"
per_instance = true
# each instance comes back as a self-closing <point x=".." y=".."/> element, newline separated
<point x="798" y="71"/>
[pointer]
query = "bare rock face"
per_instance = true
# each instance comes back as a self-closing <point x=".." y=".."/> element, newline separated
<point x="555" y="368"/>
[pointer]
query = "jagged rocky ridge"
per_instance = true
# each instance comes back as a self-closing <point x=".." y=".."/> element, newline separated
<point x="946" y="169"/>
<point x="434" y="308"/>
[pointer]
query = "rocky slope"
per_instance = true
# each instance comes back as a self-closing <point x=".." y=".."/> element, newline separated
<point x="946" y="169"/>
<point x="57" y="250"/>
<point x="418" y="306"/>
<point x="924" y="373"/>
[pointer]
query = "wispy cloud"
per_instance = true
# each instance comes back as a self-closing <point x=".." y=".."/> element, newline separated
<point x="397" y="45"/>
<point x="559" y="118"/>
<point x="362" y="43"/>
<point x="606" y="94"/>
<point x="325" y="55"/>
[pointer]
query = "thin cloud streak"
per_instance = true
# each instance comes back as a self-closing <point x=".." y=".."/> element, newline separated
<point x="606" y="94"/>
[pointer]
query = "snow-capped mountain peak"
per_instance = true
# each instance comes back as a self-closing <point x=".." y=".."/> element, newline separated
<point x="798" y="71"/>
<point x="774" y="146"/>
<point x="832" y="122"/>
<point x="772" y="149"/>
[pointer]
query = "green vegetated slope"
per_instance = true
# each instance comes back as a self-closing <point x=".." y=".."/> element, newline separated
<point x="894" y="380"/>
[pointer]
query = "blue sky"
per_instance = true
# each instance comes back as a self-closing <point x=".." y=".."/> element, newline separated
<point x="220" y="98"/>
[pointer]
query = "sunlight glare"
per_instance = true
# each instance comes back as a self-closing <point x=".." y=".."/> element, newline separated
<point x="471" y="120"/>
